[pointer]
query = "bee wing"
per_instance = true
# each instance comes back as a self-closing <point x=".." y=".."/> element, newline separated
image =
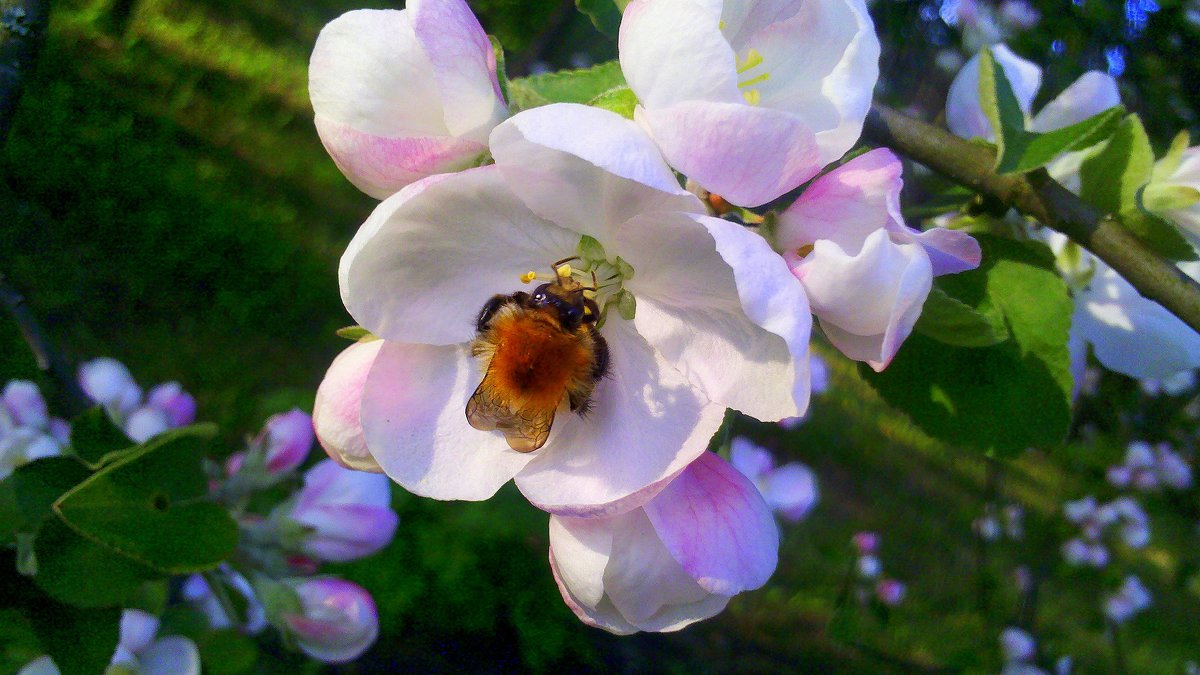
<point x="525" y="429"/>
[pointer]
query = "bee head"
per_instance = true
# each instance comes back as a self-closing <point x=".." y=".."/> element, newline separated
<point x="566" y="301"/>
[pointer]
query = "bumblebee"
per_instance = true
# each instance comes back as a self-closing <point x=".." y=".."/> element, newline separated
<point x="537" y="350"/>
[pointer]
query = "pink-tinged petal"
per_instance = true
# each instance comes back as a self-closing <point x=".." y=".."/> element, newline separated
<point x="742" y="20"/>
<point x="172" y="655"/>
<point x="647" y="585"/>
<point x="822" y="63"/>
<point x="1091" y="94"/>
<point x="347" y="531"/>
<point x="381" y="165"/>
<point x="964" y="115"/>
<point x="24" y="402"/>
<point x="429" y="257"/>
<point x="752" y="460"/>
<point x="791" y="490"/>
<point x="339" y="620"/>
<point x="748" y="155"/>
<point x="723" y="309"/>
<point x="716" y="525"/>
<point x="289" y="437"/>
<point x="579" y="551"/>
<point x="369" y="72"/>
<point x="673" y="51"/>
<point x="846" y="205"/>
<point x="586" y="169"/>
<point x="647" y="423"/>
<point x="949" y="251"/>
<point x="179" y="406"/>
<point x="464" y="66"/>
<point x="414" y="420"/>
<point x="867" y="304"/>
<point x="1131" y="334"/>
<point x="335" y="416"/>
<point x="138" y="629"/>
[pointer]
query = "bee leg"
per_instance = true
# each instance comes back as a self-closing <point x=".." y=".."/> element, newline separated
<point x="492" y="306"/>
<point x="600" y="367"/>
<point x="581" y="404"/>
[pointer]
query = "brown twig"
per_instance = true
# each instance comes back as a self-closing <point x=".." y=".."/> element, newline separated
<point x="49" y="360"/>
<point x="1038" y="196"/>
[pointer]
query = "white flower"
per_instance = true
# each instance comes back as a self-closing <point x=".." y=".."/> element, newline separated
<point x="404" y="94"/>
<point x="719" y="320"/>
<point x="25" y="404"/>
<point x="22" y="445"/>
<point x="1129" y="600"/>
<point x="750" y="98"/>
<point x="108" y="382"/>
<point x="138" y="651"/>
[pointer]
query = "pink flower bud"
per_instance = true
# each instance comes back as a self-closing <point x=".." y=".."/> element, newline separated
<point x="866" y="542"/>
<point x="339" y="620"/>
<point x="890" y="592"/>
<point x="289" y="436"/>
<point x="177" y="404"/>
<point x="25" y="403"/>
<point x="348" y="512"/>
<point x="336" y="410"/>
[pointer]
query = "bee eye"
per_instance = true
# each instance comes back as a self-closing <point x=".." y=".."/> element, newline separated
<point x="539" y="297"/>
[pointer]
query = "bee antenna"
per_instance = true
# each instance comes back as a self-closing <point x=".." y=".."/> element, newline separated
<point x="564" y="260"/>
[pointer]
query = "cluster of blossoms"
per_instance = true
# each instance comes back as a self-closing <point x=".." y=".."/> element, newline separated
<point x="1019" y="650"/>
<point x="138" y="651"/>
<point x="107" y="382"/>
<point x="1129" y="600"/>
<point x="1128" y="333"/>
<point x="1151" y="468"/>
<point x="867" y="573"/>
<point x="790" y="489"/>
<point x="1095" y="521"/>
<point x="27" y="431"/>
<point x="749" y="100"/>
<point x="984" y="23"/>
<point x="997" y="522"/>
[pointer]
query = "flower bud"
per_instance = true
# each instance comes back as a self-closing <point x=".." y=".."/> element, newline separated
<point x="289" y="436"/>
<point x="25" y="404"/>
<point x="108" y="382"/>
<point x="336" y="410"/>
<point x="890" y="592"/>
<point x="146" y="423"/>
<point x="869" y="567"/>
<point x="177" y="404"/>
<point x="1017" y="645"/>
<point x="348" y="512"/>
<point x="338" y="620"/>
<point x="866" y="542"/>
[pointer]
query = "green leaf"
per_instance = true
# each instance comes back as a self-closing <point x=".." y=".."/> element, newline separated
<point x="227" y="652"/>
<point x="80" y="572"/>
<point x="501" y="73"/>
<point x="79" y="640"/>
<point x="605" y="15"/>
<point x="620" y="100"/>
<point x="954" y="322"/>
<point x="152" y="506"/>
<point x="1159" y="197"/>
<point x="356" y="333"/>
<point x="564" y="86"/>
<point x="95" y="439"/>
<point x="1113" y="178"/>
<point x="35" y="486"/>
<point x="1001" y="398"/>
<point x="1024" y="151"/>
<point x="998" y="101"/>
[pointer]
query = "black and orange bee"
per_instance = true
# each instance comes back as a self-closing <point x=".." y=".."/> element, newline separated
<point x="536" y="350"/>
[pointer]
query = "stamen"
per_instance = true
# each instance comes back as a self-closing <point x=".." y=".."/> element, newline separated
<point x="755" y="80"/>
<point x="528" y="277"/>
<point x="752" y="97"/>
<point x="753" y="58"/>
<point x="804" y="250"/>
<point x="564" y="271"/>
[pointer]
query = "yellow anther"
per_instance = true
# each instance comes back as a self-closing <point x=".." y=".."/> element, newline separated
<point x="752" y="97"/>
<point x="528" y="277"/>
<point x="804" y="250"/>
<point x="752" y="58"/>
<point x="754" y="80"/>
<point x="564" y="271"/>
<point x="721" y="24"/>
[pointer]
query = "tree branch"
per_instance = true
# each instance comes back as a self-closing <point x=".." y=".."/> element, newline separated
<point x="1037" y="195"/>
<point x="49" y="360"/>
<point x="22" y="30"/>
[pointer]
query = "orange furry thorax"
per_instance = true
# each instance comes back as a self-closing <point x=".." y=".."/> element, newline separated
<point x="535" y="362"/>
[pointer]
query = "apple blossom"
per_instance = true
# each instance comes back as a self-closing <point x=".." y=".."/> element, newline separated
<point x="21" y="445"/>
<point x="707" y="536"/>
<point x="109" y="383"/>
<point x="866" y="273"/>
<point x="404" y="94"/>
<point x="288" y="437"/>
<point x="138" y="651"/>
<point x="25" y="405"/>
<point x="1130" y="599"/>
<point x="790" y="490"/>
<point x="348" y="513"/>
<point x="174" y="402"/>
<point x="337" y="621"/>
<point x="718" y="321"/>
<point x="339" y="399"/>
<point x="748" y="98"/>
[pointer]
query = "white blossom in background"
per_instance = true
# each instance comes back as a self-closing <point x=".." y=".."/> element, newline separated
<point x="108" y="382"/>
<point x="1129" y="600"/>
<point x="1123" y="516"/>
<point x="399" y="95"/>
<point x="790" y="489"/>
<point x="138" y="651"/>
<point x="1149" y="468"/>
<point x="27" y="432"/>
<point x="748" y="98"/>
<point x="1172" y="385"/>
<point x="707" y="536"/>
<point x="868" y="580"/>
<point x="719" y="320"/>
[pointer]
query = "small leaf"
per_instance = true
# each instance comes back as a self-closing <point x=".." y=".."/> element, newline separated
<point x="1159" y="197"/>
<point x="152" y="506"/>
<point x="1024" y="151"/>
<point x="80" y="572"/>
<point x="591" y="250"/>
<point x="35" y="486"/>
<point x="565" y="86"/>
<point x="605" y="15"/>
<point x="356" y="333"/>
<point x="1158" y="233"/>
<point x="95" y="439"/>
<point x="620" y="100"/>
<point x="953" y="322"/>
<point x="998" y="101"/>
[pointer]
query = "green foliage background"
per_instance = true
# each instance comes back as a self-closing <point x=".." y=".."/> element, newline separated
<point x="166" y="201"/>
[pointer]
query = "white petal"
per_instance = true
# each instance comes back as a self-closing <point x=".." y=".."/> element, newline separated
<point x="335" y="415"/>
<point x="137" y="629"/>
<point x="580" y="548"/>
<point x="723" y="308"/>
<point x="368" y="71"/>
<point x="586" y="169"/>
<point x="431" y="255"/>
<point x="715" y="523"/>
<point x="647" y="423"/>
<point x="416" y="428"/>
<point x="673" y="51"/>
<point x="173" y="655"/>
<point x="964" y="115"/>
<point x="1093" y="93"/>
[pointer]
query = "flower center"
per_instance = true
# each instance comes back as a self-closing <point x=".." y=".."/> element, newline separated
<point x="603" y="279"/>
<point x="750" y="74"/>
